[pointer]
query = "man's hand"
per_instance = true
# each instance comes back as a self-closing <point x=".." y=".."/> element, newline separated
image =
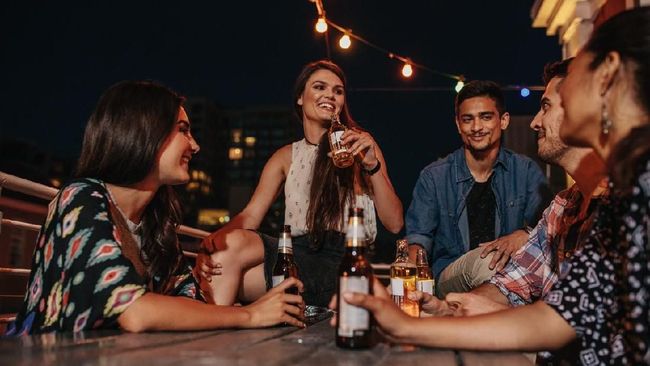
<point x="504" y="247"/>
<point x="469" y="304"/>
<point x="431" y="305"/>
<point x="392" y="321"/>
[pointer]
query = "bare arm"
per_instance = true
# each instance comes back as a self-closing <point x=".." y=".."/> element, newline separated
<point x="491" y="292"/>
<point x="389" y="207"/>
<point x="271" y="180"/>
<point x="526" y="328"/>
<point x="159" y="312"/>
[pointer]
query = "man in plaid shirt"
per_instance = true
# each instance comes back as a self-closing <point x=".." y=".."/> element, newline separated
<point x="534" y="269"/>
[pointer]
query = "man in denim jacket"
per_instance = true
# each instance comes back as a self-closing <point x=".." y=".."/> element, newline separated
<point x="471" y="210"/>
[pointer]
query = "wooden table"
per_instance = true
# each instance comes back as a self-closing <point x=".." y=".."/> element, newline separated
<point x="273" y="346"/>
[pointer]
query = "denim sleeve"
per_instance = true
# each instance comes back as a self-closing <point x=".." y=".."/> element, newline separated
<point x="538" y="194"/>
<point x="422" y="216"/>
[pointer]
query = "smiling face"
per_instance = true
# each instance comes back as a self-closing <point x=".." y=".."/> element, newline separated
<point x="176" y="153"/>
<point x="323" y="95"/>
<point x="547" y="122"/>
<point x="480" y="124"/>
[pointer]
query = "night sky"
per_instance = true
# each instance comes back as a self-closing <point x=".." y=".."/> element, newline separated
<point x="57" y="58"/>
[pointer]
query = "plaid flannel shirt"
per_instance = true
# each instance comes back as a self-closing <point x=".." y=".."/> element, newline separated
<point x="533" y="269"/>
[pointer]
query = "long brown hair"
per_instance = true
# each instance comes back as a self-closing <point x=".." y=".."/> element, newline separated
<point x="331" y="187"/>
<point x="628" y="34"/>
<point x="121" y="143"/>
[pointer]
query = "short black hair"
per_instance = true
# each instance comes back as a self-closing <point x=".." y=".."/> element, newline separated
<point x="482" y="88"/>
<point x="557" y="69"/>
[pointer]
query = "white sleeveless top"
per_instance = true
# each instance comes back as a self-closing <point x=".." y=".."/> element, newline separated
<point x="296" y="193"/>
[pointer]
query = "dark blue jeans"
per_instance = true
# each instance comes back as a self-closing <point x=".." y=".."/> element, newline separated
<point x="317" y="269"/>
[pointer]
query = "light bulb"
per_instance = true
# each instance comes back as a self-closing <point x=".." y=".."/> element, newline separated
<point x="524" y="92"/>
<point x="321" y="25"/>
<point x="459" y="85"/>
<point x="407" y="70"/>
<point x="345" y="42"/>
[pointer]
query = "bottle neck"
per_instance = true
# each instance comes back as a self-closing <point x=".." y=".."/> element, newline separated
<point x="284" y="243"/>
<point x="356" y="234"/>
<point x="402" y="254"/>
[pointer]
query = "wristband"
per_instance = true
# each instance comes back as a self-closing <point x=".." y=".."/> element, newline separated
<point x="373" y="170"/>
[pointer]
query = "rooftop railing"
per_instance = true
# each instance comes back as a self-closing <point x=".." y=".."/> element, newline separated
<point x="21" y="185"/>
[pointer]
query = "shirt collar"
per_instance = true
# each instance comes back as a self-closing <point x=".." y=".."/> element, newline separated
<point x="462" y="171"/>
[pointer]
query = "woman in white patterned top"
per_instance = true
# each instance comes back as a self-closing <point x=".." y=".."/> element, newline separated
<point x="317" y="195"/>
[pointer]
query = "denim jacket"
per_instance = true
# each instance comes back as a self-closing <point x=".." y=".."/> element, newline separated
<point x="437" y="217"/>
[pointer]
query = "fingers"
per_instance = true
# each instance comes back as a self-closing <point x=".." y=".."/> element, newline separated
<point x="333" y="302"/>
<point x="363" y="300"/>
<point x="379" y="290"/>
<point x="488" y="247"/>
<point x="287" y="283"/>
<point x="503" y="261"/>
<point x="293" y="321"/>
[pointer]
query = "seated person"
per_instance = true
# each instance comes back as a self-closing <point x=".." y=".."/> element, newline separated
<point x="107" y="255"/>
<point x="533" y="270"/>
<point x="480" y="195"/>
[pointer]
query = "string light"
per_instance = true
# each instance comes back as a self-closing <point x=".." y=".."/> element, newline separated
<point x="407" y="70"/>
<point x="459" y="85"/>
<point x="345" y="42"/>
<point x="321" y="25"/>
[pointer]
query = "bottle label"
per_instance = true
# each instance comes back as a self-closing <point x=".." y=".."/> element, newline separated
<point x="355" y="231"/>
<point x="353" y="319"/>
<point x="337" y="146"/>
<point x="425" y="286"/>
<point x="275" y="280"/>
<point x="397" y="286"/>
<point x="284" y="245"/>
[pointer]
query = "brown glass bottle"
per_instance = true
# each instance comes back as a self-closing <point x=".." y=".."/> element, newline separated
<point x="285" y="267"/>
<point x="354" y="324"/>
<point x="424" y="280"/>
<point x="341" y="156"/>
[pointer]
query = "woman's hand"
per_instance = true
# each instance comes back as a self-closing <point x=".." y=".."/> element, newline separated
<point x="361" y="142"/>
<point x="277" y="307"/>
<point x="206" y="266"/>
<point x="392" y="321"/>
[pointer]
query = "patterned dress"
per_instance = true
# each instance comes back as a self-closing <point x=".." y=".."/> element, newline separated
<point x="80" y="279"/>
<point x="604" y="293"/>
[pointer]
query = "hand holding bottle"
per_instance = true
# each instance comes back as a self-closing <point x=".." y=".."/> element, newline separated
<point x="362" y="144"/>
<point x="277" y="306"/>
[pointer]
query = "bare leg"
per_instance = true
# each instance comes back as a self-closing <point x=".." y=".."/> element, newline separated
<point x="240" y="254"/>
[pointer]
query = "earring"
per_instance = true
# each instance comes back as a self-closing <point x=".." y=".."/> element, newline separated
<point x="605" y="122"/>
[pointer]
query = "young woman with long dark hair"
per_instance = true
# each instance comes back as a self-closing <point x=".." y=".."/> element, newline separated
<point x="107" y="255"/>
<point x="317" y="198"/>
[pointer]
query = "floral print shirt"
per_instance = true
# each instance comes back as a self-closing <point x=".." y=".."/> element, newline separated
<point x="80" y="279"/>
<point x="604" y="293"/>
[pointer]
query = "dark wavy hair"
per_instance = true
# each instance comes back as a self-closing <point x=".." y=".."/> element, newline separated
<point x="557" y="69"/>
<point x="482" y="88"/>
<point x="628" y="34"/>
<point x="121" y="143"/>
<point x="331" y="187"/>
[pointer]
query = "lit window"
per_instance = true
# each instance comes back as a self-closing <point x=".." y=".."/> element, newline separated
<point x="250" y="141"/>
<point x="236" y="135"/>
<point x="235" y="153"/>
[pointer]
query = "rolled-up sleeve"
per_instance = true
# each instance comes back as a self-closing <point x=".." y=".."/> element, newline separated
<point x="538" y="194"/>
<point x="422" y="217"/>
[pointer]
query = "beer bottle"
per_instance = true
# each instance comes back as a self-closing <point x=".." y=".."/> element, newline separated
<point x="284" y="265"/>
<point x="402" y="279"/>
<point x="354" y="324"/>
<point x="341" y="157"/>
<point x="424" y="280"/>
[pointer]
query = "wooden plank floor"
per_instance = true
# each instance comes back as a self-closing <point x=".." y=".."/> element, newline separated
<point x="273" y="346"/>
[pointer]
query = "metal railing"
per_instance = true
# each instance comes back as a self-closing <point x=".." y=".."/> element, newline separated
<point x="42" y="191"/>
